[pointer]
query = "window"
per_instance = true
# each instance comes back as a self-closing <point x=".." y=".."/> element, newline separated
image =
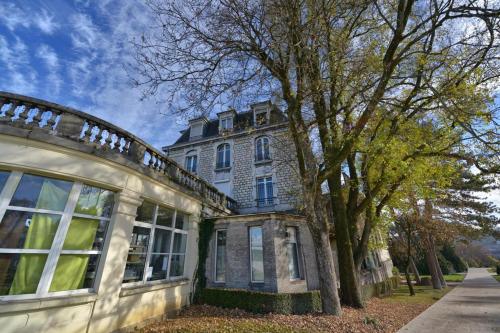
<point x="191" y="161"/>
<point x="223" y="156"/>
<point x="220" y="255"/>
<point x="158" y="245"/>
<point x="226" y="123"/>
<point x="265" y="191"/>
<point x="196" y="131"/>
<point x="293" y="253"/>
<point x="51" y="235"/>
<point x="256" y="254"/>
<point x="262" y="149"/>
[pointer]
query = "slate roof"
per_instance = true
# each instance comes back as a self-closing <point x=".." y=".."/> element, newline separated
<point x="241" y="121"/>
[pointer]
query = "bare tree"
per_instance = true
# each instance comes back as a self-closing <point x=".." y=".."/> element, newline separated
<point x="362" y="74"/>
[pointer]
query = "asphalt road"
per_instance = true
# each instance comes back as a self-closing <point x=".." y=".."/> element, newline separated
<point x="473" y="306"/>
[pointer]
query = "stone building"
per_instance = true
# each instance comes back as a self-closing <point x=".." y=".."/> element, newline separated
<point x="250" y="157"/>
<point x="99" y="231"/>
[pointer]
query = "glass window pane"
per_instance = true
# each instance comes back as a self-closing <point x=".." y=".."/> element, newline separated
<point x="85" y="234"/>
<point x="158" y="267"/>
<point x="20" y="273"/>
<point x="25" y="230"/>
<point x="179" y="245"/>
<point x="4" y="175"/>
<point x="257" y="265"/>
<point x="74" y="271"/>
<point x="95" y="201"/>
<point x="162" y="241"/>
<point x="165" y="217"/>
<point x="220" y="259"/>
<point x="134" y="269"/>
<point x="41" y="192"/>
<point x="256" y="252"/>
<point x="177" y="265"/>
<point x="180" y="221"/>
<point x="145" y="212"/>
<point x="293" y="261"/>
<point x="136" y="260"/>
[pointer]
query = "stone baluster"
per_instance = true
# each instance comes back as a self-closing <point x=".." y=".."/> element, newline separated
<point x="11" y="112"/>
<point x="3" y="101"/>
<point x="99" y="136"/>
<point x="37" y="118"/>
<point x="109" y="140"/>
<point x="52" y="120"/>
<point x="23" y="115"/>
<point x="87" y="135"/>
<point x="126" y="147"/>
<point x="117" y="143"/>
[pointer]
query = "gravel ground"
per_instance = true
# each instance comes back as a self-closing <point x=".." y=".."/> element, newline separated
<point x="379" y="316"/>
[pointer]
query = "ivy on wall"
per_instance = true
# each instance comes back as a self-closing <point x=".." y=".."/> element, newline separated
<point x="205" y="231"/>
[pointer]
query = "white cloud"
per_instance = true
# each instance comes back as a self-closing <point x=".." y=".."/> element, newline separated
<point x="51" y="60"/>
<point x="14" y="17"/>
<point x="18" y="76"/>
<point x="45" y="22"/>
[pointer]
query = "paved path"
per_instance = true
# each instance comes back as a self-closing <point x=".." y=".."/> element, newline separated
<point x="473" y="306"/>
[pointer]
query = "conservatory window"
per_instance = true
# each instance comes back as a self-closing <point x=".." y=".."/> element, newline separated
<point x="256" y="254"/>
<point x="51" y="235"/>
<point x="220" y="255"/>
<point x="293" y="253"/>
<point x="158" y="245"/>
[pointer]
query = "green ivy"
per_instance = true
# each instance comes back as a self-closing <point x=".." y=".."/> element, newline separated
<point x="205" y="231"/>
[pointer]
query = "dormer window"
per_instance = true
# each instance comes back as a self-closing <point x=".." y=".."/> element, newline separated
<point x="197" y="127"/>
<point x="226" y="124"/>
<point x="261" y="113"/>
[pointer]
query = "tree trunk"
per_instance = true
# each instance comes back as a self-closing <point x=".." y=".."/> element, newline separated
<point x="438" y="267"/>
<point x="408" y="280"/>
<point x="430" y="260"/>
<point x="324" y="257"/>
<point x="414" y="269"/>
<point x="350" y="291"/>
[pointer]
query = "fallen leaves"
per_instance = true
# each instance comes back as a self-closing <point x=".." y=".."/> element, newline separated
<point x="378" y="316"/>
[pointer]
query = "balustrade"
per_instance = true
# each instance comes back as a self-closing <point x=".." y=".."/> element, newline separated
<point x="33" y="114"/>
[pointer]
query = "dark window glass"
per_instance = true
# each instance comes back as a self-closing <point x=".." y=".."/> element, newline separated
<point x="177" y="265"/>
<point x="158" y="267"/>
<point x="162" y="241"/>
<point x="41" y="192"/>
<point x="180" y="221"/>
<point x="220" y="256"/>
<point x="4" y="175"/>
<point x="165" y="217"/>
<point x="179" y="245"/>
<point x="26" y="230"/>
<point x="145" y="212"/>
<point x="95" y="201"/>
<point x="20" y="273"/>
<point x="136" y="260"/>
<point x="256" y="253"/>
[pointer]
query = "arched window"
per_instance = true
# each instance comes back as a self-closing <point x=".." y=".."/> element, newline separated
<point x="191" y="163"/>
<point x="223" y="156"/>
<point x="262" y="149"/>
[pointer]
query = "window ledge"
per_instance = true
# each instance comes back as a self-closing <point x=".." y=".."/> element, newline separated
<point x="152" y="286"/>
<point x="263" y="162"/>
<point x="22" y="305"/>
<point x="222" y="169"/>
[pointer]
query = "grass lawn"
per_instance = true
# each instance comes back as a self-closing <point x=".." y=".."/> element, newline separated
<point x="456" y="277"/>
<point x="387" y="314"/>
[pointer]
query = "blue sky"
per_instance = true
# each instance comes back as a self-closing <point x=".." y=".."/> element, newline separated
<point x="76" y="53"/>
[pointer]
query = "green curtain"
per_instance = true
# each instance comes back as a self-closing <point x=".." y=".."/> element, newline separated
<point x="40" y="236"/>
<point x="71" y="268"/>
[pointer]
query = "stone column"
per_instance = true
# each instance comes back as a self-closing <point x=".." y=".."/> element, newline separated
<point x="113" y="260"/>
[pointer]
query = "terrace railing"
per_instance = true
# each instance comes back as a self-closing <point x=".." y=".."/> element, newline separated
<point x="34" y="114"/>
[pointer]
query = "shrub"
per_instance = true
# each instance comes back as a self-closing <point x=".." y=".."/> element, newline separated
<point x="262" y="302"/>
<point x="498" y="269"/>
<point x="395" y="271"/>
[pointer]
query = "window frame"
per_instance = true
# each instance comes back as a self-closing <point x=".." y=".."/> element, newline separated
<point x="152" y="228"/>
<point x="252" y="280"/>
<point x="216" y="252"/>
<point x="56" y="248"/>
<point x="261" y="140"/>
<point x="267" y="201"/>
<point x="226" y="161"/>
<point x="296" y="242"/>
<point x="225" y="122"/>
<point x="190" y="159"/>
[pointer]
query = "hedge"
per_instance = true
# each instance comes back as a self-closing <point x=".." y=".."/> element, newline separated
<point x="262" y="302"/>
<point x="296" y="303"/>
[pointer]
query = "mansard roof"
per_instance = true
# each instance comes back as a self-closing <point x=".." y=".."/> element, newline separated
<point x="242" y="121"/>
